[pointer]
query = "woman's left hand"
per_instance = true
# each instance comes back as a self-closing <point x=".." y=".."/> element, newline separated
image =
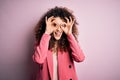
<point x="67" y="27"/>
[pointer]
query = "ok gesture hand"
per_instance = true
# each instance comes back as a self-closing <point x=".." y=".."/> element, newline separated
<point x="49" y="27"/>
<point x="67" y="28"/>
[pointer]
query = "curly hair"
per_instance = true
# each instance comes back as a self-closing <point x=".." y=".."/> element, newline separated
<point x="61" y="12"/>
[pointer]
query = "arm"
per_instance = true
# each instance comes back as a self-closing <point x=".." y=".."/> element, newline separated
<point x="41" y="50"/>
<point x="77" y="53"/>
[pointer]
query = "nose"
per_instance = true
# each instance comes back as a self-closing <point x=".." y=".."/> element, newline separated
<point x="59" y="28"/>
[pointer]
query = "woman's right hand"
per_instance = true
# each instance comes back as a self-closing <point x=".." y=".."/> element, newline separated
<point x="49" y="27"/>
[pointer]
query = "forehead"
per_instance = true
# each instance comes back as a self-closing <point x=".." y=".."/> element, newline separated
<point x="58" y="20"/>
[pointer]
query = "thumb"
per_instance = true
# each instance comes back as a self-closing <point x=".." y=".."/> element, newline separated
<point x="63" y="28"/>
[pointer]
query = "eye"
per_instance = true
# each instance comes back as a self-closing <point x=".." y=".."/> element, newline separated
<point x="54" y="24"/>
<point x="63" y="25"/>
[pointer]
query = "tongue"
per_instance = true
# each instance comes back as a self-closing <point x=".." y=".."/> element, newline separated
<point x="58" y="33"/>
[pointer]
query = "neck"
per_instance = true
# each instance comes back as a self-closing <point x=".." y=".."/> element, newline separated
<point x="55" y="46"/>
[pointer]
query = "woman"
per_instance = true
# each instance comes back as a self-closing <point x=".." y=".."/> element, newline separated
<point x="56" y="45"/>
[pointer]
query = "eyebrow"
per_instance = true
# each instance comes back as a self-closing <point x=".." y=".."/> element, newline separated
<point x="53" y="19"/>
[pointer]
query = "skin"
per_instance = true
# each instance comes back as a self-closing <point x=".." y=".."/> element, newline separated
<point x="57" y="26"/>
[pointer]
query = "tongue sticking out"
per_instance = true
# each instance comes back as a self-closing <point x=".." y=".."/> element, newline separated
<point x="58" y="34"/>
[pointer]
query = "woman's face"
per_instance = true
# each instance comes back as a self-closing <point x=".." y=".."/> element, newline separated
<point x="57" y="23"/>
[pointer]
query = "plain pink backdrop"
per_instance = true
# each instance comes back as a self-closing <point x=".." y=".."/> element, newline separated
<point x="99" y="27"/>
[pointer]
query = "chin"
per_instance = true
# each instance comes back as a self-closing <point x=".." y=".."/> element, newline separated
<point x="57" y="38"/>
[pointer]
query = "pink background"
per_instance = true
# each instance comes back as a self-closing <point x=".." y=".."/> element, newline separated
<point x="99" y="27"/>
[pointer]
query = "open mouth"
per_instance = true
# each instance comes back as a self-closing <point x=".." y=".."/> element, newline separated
<point x="58" y="34"/>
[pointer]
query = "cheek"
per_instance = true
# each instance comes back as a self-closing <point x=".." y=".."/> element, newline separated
<point x="55" y="30"/>
<point x="54" y="35"/>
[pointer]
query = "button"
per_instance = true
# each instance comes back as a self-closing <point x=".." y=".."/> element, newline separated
<point x="41" y="67"/>
<point x="70" y="66"/>
<point x="70" y="78"/>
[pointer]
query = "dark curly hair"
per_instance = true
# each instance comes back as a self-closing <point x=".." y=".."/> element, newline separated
<point x="61" y="12"/>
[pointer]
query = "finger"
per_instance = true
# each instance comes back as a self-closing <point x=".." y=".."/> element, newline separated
<point x="67" y="19"/>
<point x="70" y="19"/>
<point x="50" y="18"/>
<point x="54" y="22"/>
<point x="46" y="18"/>
<point x="73" y="21"/>
<point x="62" y="28"/>
<point x="63" y="25"/>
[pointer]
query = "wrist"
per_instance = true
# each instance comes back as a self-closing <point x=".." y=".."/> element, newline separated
<point x="69" y="33"/>
<point x="46" y="32"/>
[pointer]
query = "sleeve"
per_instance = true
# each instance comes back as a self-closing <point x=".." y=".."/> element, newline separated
<point x="77" y="53"/>
<point x="40" y="51"/>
